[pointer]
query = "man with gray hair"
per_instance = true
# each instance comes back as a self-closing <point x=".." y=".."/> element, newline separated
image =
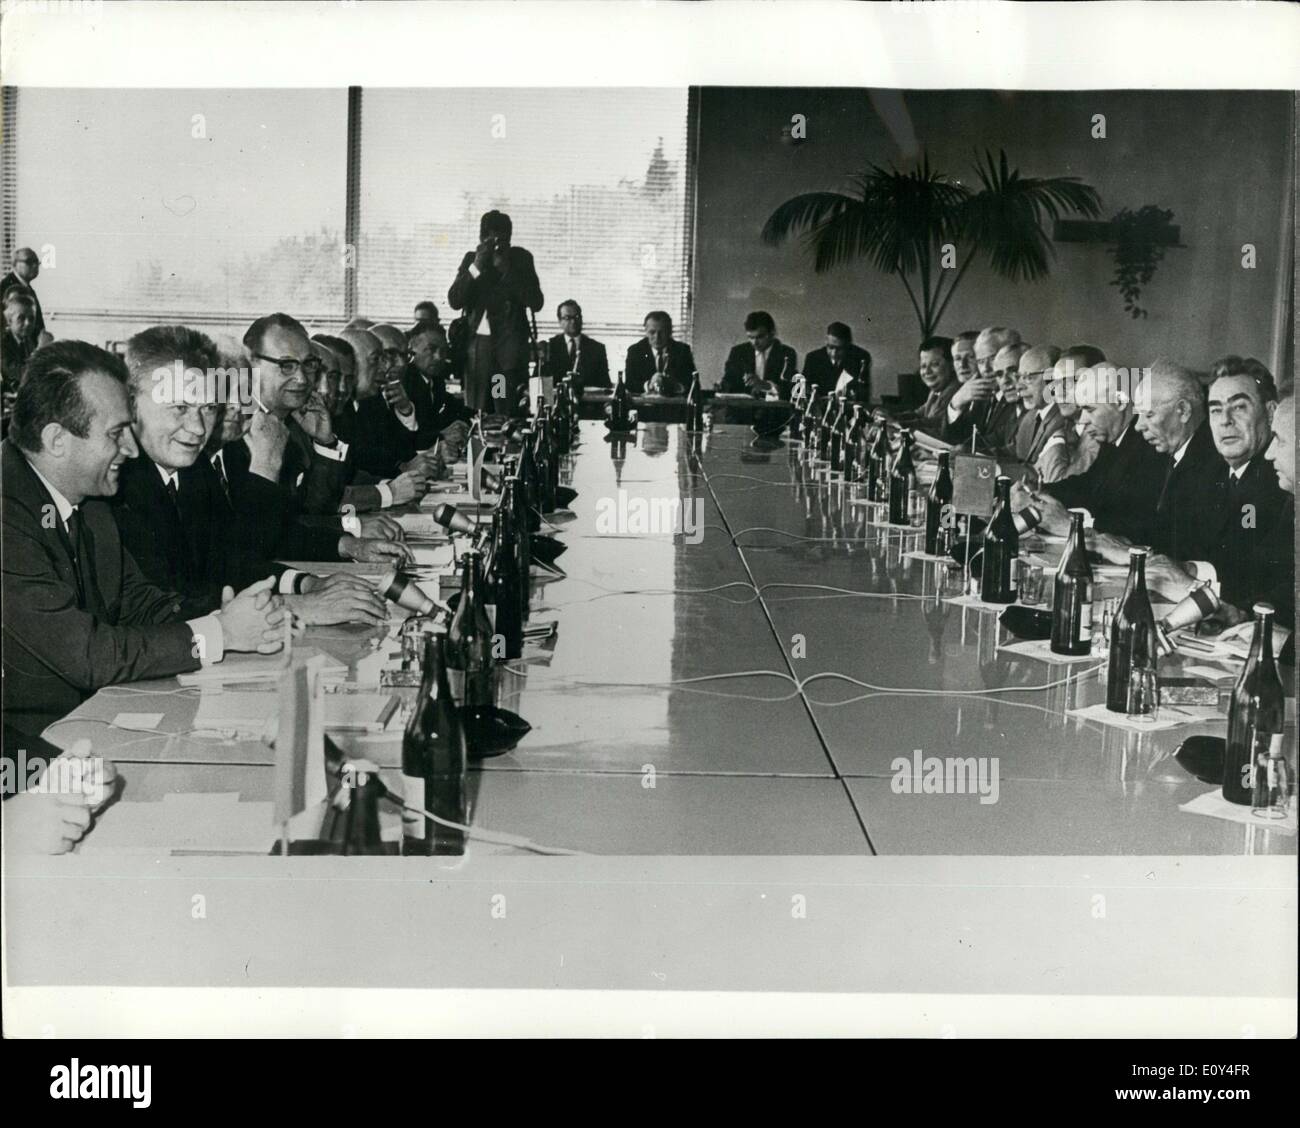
<point x="980" y="405"/>
<point x="1042" y="427"/>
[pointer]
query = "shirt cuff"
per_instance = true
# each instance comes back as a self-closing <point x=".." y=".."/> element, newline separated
<point x="209" y="639"/>
<point x="289" y="581"/>
<point x="473" y="270"/>
<point x="385" y="495"/>
<point x="337" y="453"/>
<point x="954" y="413"/>
<point x="407" y="420"/>
<point x="1203" y="570"/>
<point x="352" y="524"/>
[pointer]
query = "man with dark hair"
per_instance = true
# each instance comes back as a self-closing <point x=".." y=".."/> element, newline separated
<point x="17" y="343"/>
<point x="496" y="286"/>
<point x="572" y="351"/>
<point x="836" y="363"/>
<point x="657" y="364"/>
<point x="936" y="372"/>
<point x="763" y="365"/>
<point x="291" y="440"/>
<point x="78" y="613"/>
<point x="442" y="418"/>
<point x="27" y="265"/>
<point x="426" y="311"/>
<point x="170" y="511"/>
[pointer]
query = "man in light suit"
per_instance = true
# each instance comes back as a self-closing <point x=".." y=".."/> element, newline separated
<point x="762" y="365"/>
<point x="571" y="350"/>
<point x="658" y="364"/>
<point x="78" y="613"/>
<point x="496" y="286"/>
<point x="1042" y="427"/>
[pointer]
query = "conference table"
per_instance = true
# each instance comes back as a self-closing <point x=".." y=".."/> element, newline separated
<point x="746" y="655"/>
<point x="734" y="799"/>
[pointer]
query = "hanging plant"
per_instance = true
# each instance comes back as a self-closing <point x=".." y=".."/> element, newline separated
<point x="1140" y="240"/>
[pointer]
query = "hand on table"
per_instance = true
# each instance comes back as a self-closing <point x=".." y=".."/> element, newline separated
<point x="253" y="619"/>
<point x="39" y="822"/>
<point x="340" y="599"/>
<point x="370" y="550"/>
<point x="409" y="485"/>
<point x="379" y="526"/>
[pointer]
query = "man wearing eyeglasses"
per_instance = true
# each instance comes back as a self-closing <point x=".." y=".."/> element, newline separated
<point x="496" y="286"/>
<point x="1042" y="427"/>
<point x="170" y="510"/>
<point x="572" y="351"/>
<point x="27" y="265"/>
<point x="313" y="468"/>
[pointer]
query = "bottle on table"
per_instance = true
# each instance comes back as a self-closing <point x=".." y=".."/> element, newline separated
<point x="695" y="405"/>
<point x="797" y="405"/>
<point x="852" y="455"/>
<point x="1131" y="673"/>
<point x="1072" y="594"/>
<point x="620" y="406"/>
<point x="835" y="454"/>
<point x="530" y="487"/>
<point x="902" y="479"/>
<point x="878" y="464"/>
<point x="469" y="642"/>
<point x="824" y="429"/>
<point x="507" y="581"/>
<point x="1001" y="546"/>
<point x="434" y="757"/>
<point x="512" y="491"/>
<point x="1255" y="716"/>
<point x="938" y="510"/>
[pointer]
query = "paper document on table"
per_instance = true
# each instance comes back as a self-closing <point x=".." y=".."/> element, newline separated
<point x="256" y="667"/>
<point x="1213" y="804"/>
<point x="214" y="822"/>
<point x="432" y="555"/>
<point x="1167" y="717"/>
<point x="141" y="722"/>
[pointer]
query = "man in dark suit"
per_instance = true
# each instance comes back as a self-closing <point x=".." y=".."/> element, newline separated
<point x="78" y="614"/>
<point x="380" y="442"/>
<point x="993" y="419"/>
<point x="836" y="363"/>
<point x="1121" y="487"/>
<point x="27" y="265"/>
<point x="442" y="419"/>
<point x="571" y="350"/>
<point x="17" y="343"/>
<point x="763" y="365"/>
<point x="171" y="512"/>
<point x="659" y="365"/>
<point x="496" y="286"/>
<point x="1254" y="557"/>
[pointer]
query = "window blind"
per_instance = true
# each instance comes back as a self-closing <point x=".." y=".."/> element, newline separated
<point x="595" y="181"/>
<point x="205" y="207"/>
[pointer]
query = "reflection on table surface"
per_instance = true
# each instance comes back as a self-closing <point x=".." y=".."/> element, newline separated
<point x="745" y="654"/>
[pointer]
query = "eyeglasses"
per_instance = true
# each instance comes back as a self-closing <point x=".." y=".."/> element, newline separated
<point x="390" y="357"/>
<point x="290" y="366"/>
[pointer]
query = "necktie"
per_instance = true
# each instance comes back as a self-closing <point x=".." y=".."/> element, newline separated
<point x="931" y="405"/>
<point x="573" y="354"/>
<point x="220" y="464"/>
<point x="760" y="363"/>
<point x="662" y="363"/>
<point x="171" y="493"/>
<point x="73" y="535"/>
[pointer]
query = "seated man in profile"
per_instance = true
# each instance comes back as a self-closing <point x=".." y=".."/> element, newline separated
<point x="837" y="363"/>
<point x="1121" y="487"/>
<point x="763" y="365"/>
<point x="1081" y="445"/>
<point x="169" y="510"/>
<point x="572" y="351"/>
<point x="17" y="343"/>
<point x="978" y="402"/>
<point x="78" y="613"/>
<point x="442" y="419"/>
<point x="659" y="365"/>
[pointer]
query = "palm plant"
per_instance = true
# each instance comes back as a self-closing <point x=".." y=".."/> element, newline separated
<point x="900" y="221"/>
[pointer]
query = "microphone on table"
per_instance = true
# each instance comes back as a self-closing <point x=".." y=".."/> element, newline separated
<point x="451" y="519"/>
<point x="1199" y="603"/>
<point x="406" y="593"/>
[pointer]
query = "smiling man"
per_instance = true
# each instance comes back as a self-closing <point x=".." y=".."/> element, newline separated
<point x="78" y="613"/>
<point x="170" y="511"/>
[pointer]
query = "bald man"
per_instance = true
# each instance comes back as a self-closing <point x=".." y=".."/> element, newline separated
<point x="383" y="442"/>
<point x="985" y="405"/>
<point x="26" y="266"/>
<point x="1042" y="427"/>
<point x="1121" y="487"/>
